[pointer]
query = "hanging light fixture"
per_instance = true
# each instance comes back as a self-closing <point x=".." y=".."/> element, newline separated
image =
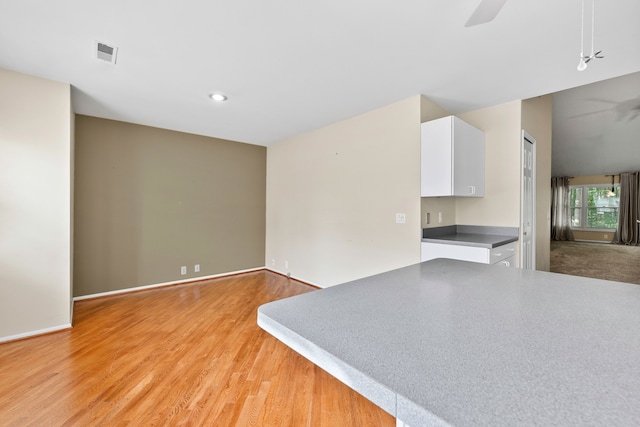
<point x="612" y="192"/>
<point x="584" y="60"/>
<point x="582" y="65"/>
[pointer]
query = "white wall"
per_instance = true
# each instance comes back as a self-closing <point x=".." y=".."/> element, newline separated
<point x="35" y="205"/>
<point x="332" y="196"/>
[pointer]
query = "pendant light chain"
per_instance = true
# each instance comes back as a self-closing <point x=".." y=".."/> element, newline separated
<point x="584" y="60"/>
<point x="582" y="32"/>
<point x="593" y="25"/>
<point x="582" y="65"/>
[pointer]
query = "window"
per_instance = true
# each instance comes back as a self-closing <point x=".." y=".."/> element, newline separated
<point x="594" y="207"/>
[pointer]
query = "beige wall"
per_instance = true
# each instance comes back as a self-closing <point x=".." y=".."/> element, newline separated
<point x="593" y="179"/>
<point x="36" y="146"/>
<point x="435" y="206"/>
<point x="595" y="236"/>
<point x="149" y="201"/>
<point x="332" y="196"/>
<point x="536" y="120"/>
<point x="429" y="110"/>
<point x="501" y="204"/>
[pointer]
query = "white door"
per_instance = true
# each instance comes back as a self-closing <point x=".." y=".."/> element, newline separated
<point x="528" y="194"/>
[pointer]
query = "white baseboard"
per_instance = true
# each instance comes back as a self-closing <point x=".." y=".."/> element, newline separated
<point x="273" y="270"/>
<point x="608" y="242"/>
<point x="160" y="285"/>
<point x="34" y="333"/>
<point x="134" y="289"/>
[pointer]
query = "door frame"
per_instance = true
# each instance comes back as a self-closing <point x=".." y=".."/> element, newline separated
<point x="526" y="139"/>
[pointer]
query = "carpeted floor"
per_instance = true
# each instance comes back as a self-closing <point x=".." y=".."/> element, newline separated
<point x="601" y="261"/>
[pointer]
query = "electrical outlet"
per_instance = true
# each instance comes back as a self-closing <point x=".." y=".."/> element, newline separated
<point x="427" y="217"/>
<point x="286" y="264"/>
<point x="401" y="218"/>
<point x="183" y="270"/>
<point x="273" y="262"/>
<point x="196" y="268"/>
<point x="439" y="217"/>
<point x="606" y="236"/>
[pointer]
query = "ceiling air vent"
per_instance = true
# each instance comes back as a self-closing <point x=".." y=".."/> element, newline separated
<point x="105" y="52"/>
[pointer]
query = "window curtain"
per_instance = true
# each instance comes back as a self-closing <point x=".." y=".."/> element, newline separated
<point x="628" y="216"/>
<point x="560" y="212"/>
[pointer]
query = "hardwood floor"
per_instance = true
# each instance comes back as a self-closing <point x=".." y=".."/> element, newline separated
<point x="183" y="355"/>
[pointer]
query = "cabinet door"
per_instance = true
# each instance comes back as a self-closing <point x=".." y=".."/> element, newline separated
<point x="500" y="253"/>
<point x="468" y="160"/>
<point x="507" y="262"/>
<point x="436" y="158"/>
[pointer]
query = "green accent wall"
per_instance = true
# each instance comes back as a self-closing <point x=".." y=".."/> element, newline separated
<point x="149" y="201"/>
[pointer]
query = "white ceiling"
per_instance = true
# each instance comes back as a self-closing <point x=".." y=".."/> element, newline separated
<point x="289" y="66"/>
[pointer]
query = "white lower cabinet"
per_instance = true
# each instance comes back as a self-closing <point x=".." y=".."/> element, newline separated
<point x="503" y="255"/>
<point x="508" y="262"/>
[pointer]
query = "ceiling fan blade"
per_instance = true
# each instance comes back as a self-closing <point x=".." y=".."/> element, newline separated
<point x="589" y="114"/>
<point x="486" y="12"/>
<point x="606" y="101"/>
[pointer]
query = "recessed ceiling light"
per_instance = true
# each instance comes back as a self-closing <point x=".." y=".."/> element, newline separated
<point x="217" y="97"/>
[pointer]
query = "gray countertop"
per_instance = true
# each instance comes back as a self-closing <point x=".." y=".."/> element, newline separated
<point x="450" y="342"/>
<point x="470" y="235"/>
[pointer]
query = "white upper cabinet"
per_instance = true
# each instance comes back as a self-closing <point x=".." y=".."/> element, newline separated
<point x="452" y="158"/>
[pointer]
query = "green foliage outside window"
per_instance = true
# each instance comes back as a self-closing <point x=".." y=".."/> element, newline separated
<point x="594" y="207"/>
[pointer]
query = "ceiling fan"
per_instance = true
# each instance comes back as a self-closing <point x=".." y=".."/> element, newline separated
<point x="626" y="110"/>
<point x="486" y="11"/>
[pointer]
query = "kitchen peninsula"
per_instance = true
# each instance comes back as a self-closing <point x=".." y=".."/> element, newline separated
<point x="449" y="342"/>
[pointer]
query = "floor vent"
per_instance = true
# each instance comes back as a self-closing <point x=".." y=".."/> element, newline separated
<point x="105" y="52"/>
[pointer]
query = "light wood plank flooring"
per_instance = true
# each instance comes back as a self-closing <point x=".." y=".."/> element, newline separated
<point x="183" y="355"/>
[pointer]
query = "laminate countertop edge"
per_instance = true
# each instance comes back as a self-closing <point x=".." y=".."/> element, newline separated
<point x="463" y="343"/>
<point x="475" y="240"/>
<point x="372" y="390"/>
<point x="400" y="407"/>
<point x="471" y="235"/>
